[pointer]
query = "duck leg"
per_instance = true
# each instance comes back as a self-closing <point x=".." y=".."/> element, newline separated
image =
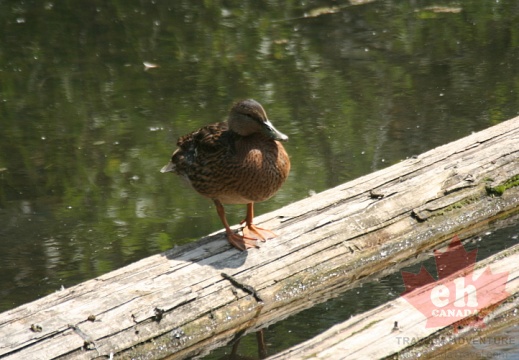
<point x="238" y="241"/>
<point x="251" y="231"/>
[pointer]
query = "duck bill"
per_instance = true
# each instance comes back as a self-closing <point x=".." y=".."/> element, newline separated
<point x="170" y="167"/>
<point x="274" y="133"/>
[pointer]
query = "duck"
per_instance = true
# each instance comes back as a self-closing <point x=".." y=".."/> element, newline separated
<point x="238" y="161"/>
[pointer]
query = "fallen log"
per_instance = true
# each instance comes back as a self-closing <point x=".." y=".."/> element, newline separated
<point x="398" y="330"/>
<point x="191" y="299"/>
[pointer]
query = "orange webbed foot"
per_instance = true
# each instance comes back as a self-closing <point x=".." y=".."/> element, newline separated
<point x="241" y="242"/>
<point x="251" y="231"/>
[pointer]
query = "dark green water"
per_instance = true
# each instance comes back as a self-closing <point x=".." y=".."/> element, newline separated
<point x="84" y="128"/>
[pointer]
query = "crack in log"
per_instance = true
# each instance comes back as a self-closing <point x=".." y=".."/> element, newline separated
<point x="158" y="313"/>
<point x="247" y="288"/>
<point x="33" y="341"/>
<point x="458" y="182"/>
<point x="286" y="220"/>
<point x="89" y="343"/>
<point x="441" y="206"/>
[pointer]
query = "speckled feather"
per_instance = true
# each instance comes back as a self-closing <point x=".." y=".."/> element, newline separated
<point x="220" y="164"/>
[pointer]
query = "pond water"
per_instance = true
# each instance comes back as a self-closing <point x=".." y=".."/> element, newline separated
<point x="93" y="96"/>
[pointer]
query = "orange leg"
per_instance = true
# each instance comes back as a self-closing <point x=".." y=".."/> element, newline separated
<point x="238" y="241"/>
<point x="251" y="231"/>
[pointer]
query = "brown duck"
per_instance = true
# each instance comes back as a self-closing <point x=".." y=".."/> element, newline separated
<point x="240" y="161"/>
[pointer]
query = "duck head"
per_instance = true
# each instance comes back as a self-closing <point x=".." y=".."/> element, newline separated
<point x="248" y="117"/>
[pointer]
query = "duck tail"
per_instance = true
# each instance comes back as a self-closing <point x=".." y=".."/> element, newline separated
<point x="170" y="167"/>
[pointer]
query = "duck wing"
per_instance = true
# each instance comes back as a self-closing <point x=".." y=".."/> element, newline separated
<point x="203" y="146"/>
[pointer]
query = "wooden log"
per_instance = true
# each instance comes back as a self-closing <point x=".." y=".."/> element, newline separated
<point x="391" y="328"/>
<point x="179" y="303"/>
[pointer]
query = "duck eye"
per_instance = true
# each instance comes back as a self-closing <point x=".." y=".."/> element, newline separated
<point x="251" y="116"/>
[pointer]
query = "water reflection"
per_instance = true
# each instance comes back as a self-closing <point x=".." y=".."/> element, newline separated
<point x="84" y="126"/>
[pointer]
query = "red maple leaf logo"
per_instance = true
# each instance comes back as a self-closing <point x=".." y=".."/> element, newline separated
<point x="458" y="293"/>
